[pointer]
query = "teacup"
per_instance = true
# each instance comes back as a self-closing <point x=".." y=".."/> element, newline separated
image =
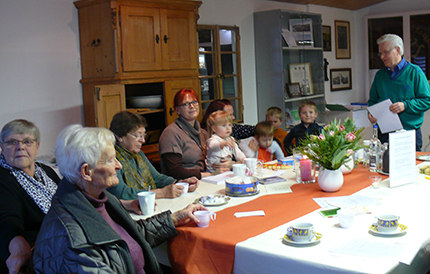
<point x="240" y="169"/>
<point x="204" y="216"/>
<point x="301" y="232"/>
<point x="387" y="222"/>
<point x="346" y="217"/>
<point x="185" y="185"/>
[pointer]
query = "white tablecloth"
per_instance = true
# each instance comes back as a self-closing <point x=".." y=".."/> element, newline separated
<point x="266" y="253"/>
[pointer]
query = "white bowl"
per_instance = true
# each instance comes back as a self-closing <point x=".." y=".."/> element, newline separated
<point x="152" y="101"/>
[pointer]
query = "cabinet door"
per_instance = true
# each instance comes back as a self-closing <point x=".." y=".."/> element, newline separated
<point x="109" y="101"/>
<point x="173" y="86"/>
<point x="141" y="39"/>
<point x="179" y="42"/>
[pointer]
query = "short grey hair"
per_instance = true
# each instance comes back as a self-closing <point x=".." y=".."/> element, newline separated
<point x="20" y="126"/>
<point x="77" y="145"/>
<point x="395" y="40"/>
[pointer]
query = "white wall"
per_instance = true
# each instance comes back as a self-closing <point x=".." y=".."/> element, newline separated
<point x="39" y="66"/>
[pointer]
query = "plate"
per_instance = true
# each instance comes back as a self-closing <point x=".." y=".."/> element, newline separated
<point x="289" y="241"/>
<point x="422" y="165"/>
<point x="425" y="157"/>
<point x="401" y="230"/>
<point x="213" y="200"/>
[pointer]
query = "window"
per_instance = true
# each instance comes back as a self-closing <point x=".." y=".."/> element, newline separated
<point x="219" y="66"/>
<point x="413" y="27"/>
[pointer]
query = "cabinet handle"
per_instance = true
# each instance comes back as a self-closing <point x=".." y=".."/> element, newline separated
<point x="98" y="93"/>
<point x="165" y="39"/>
<point x="171" y="111"/>
<point x="95" y="42"/>
<point x="157" y="38"/>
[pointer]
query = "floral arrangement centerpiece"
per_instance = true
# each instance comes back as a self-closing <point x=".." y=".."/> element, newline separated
<point x="333" y="147"/>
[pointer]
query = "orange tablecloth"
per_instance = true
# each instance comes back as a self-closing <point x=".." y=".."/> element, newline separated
<point x="211" y="250"/>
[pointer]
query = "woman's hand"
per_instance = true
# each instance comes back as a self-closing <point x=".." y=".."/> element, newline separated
<point x="193" y="183"/>
<point x="223" y="166"/>
<point x="20" y="254"/>
<point x="170" y="191"/>
<point x="186" y="215"/>
<point x="132" y="206"/>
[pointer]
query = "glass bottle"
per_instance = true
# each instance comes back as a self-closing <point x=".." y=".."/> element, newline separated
<point x="374" y="151"/>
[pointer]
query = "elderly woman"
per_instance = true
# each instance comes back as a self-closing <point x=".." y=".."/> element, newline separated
<point x="70" y="241"/>
<point x="26" y="190"/>
<point x="182" y="144"/>
<point x="137" y="173"/>
<point x="239" y="131"/>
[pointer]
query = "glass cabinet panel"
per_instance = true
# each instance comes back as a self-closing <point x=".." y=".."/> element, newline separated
<point x="219" y="63"/>
<point x="420" y="42"/>
<point x="378" y="27"/>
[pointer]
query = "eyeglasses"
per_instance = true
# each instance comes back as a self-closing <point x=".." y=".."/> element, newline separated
<point x="13" y="143"/>
<point x="385" y="52"/>
<point x="141" y="136"/>
<point x="188" y="105"/>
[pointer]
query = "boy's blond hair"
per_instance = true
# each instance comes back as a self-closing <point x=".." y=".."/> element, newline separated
<point x="274" y="111"/>
<point x="309" y="104"/>
<point x="218" y="117"/>
<point x="264" y="129"/>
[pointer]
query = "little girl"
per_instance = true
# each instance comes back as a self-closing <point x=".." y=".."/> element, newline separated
<point x="220" y="144"/>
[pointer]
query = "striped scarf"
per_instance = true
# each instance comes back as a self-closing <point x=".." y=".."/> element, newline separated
<point x="139" y="178"/>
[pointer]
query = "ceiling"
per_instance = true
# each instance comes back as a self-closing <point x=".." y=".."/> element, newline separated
<point x="341" y="4"/>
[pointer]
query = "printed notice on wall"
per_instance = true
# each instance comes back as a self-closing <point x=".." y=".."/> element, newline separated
<point x="402" y="158"/>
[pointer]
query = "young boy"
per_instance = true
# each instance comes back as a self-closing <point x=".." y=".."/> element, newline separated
<point x="274" y="115"/>
<point x="307" y="113"/>
<point x="262" y="146"/>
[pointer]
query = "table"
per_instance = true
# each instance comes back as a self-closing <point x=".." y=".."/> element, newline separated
<point x="246" y="245"/>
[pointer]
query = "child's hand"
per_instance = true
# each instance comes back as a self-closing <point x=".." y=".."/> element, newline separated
<point x="253" y="144"/>
<point x="229" y="142"/>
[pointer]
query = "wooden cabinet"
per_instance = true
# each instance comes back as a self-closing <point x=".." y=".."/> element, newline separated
<point x="109" y="101"/>
<point x="128" y="47"/>
<point x="157" y="39"/>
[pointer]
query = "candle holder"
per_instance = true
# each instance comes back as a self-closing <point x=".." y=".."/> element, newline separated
<point x="304" y="167"/>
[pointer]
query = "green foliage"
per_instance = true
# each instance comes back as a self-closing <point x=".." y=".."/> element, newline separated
<point x="332" y="148"/>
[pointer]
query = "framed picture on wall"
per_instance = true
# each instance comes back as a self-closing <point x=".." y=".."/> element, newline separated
<point x="340" y="79"/>
<point x="343" y="39"/>
<point x="293" y="90"/>
<point x="326" y="32"/>
<point x="301" y="73"/>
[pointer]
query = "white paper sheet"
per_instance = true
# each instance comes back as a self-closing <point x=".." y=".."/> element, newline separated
<point x="346" y="201"/>
<point x="278" y="188"/>
<point x="289" y="38"/>
<point x="402" y="158"/>
<point x="249" y="213"/>
<point x="387" y="120"/>
<point x="219" y="178"/>
<point x="372" y="248"/>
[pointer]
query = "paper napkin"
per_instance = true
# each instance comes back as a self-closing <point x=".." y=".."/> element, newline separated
<point x="250" y="213"/>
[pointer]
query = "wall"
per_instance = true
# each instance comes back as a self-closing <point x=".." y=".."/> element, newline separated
<point x="40" y="65"/>
<point x="40" y="69"/>
<point x="240" y="13"/>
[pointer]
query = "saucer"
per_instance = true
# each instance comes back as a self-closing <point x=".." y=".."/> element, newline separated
<point x="425" y="157"/>
<point x="213" y="200"/>
<point x="400" y="231"/>
<point x="315" y="240"/>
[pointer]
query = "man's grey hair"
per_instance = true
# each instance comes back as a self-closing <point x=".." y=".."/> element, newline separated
<point x="395" y="40"/>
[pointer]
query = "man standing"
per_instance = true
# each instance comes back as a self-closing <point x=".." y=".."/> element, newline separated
<point x="402" y="82"/>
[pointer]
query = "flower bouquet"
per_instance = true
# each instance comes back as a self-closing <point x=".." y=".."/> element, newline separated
<point x="333" y="147"/>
